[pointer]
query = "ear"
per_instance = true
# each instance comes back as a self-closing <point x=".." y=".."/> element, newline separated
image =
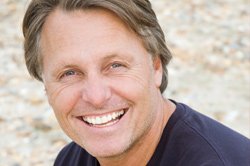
<point x="158" y="71"/>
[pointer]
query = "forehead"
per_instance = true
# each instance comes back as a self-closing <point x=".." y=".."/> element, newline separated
<point x="86" y="24"/>
<point x="89" y="20"/>
<point x="87" y="34"/>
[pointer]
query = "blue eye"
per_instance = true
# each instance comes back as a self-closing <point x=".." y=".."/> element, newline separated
<point x="115" y="65"/>
<point x="69" y="73"/>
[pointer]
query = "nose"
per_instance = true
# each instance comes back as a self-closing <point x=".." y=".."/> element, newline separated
<point x="96" y="92"/>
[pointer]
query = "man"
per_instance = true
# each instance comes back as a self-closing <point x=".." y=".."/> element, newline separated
<point x="103" y="65"/>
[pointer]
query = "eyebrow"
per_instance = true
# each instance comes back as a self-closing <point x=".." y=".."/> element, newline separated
<point x="112" y="56"/>
<point x="64" y="65"/>
<point x="61" y="66"/>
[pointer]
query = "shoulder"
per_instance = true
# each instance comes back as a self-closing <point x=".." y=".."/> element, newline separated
<point x="74" y="155"/>
<point x="191" y="138"/>
<point x="212" y="139"/>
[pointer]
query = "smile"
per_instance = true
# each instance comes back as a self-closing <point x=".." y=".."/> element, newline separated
<point x="104" y="120"/>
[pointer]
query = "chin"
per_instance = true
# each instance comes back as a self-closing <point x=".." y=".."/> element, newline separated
<point x="108" y="149"/>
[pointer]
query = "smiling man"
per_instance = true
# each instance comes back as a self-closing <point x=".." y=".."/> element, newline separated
<point x="103" y="65"/>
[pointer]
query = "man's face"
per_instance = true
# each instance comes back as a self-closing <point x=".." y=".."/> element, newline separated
<point x="101" y="82"/>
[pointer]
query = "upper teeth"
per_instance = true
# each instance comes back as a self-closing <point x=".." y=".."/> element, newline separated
<point x="98" y="120"/>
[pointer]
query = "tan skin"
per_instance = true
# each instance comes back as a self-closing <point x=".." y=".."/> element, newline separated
<point x="143" y="153"/>
<point x="94" y="66"/>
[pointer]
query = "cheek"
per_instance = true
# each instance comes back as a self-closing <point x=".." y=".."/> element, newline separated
<point x="132" y="88"/>
<point x="138" y="92"/>
<point x="63" y="99"/>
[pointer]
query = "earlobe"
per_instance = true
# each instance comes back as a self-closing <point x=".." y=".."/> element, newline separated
<point x="158" y="71"/>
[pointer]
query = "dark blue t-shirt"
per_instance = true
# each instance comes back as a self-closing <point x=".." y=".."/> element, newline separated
<point x="189" y="139"/>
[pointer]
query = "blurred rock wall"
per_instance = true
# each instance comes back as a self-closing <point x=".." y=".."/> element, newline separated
<point x="210" y="71"/>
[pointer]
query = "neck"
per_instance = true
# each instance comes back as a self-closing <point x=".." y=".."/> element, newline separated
<point x="143" y="150"/>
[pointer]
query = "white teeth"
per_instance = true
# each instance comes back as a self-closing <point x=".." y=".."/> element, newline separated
<point x="99" y="120"/>
<point x="114" y="115"/>
<point x="109" y="117"/>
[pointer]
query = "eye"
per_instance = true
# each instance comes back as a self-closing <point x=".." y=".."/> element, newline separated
<point x="116" y="65"/>
<point x="68" y="73"/>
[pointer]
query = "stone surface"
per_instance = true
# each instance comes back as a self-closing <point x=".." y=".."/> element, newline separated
<point x="210" y="42"/>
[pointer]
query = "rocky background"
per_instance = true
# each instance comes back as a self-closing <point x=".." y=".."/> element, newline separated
<point x="210" y="41"/>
